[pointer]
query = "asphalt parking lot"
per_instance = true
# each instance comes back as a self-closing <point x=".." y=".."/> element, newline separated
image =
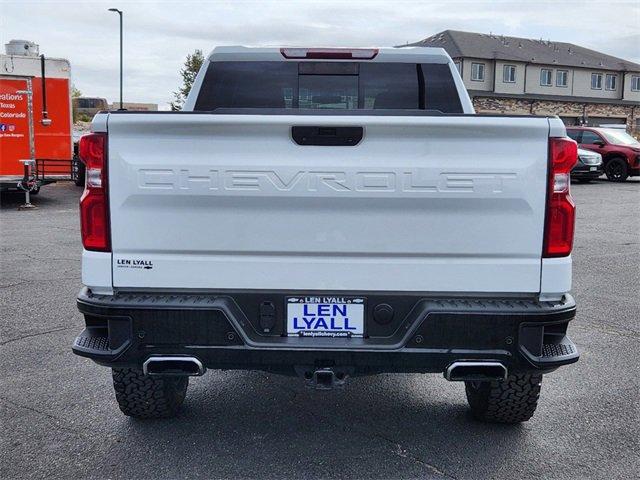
<point x="59" y="418"/>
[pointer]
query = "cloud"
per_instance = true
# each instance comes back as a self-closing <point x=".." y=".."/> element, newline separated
<point x="159" y="34"/>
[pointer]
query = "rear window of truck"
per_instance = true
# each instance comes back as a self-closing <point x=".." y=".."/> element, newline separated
<point x="328" y="86"/>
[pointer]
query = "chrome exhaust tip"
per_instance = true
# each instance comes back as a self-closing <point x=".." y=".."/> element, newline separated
<point x="475" y="371"/>
<point x="173" y="365"/>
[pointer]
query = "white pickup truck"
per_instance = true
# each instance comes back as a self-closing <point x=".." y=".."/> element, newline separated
<point x="327" y="213"/>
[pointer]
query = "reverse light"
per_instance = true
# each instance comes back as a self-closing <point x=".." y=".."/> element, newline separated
<point x="560" y="214"/>
<point x="330" y="53"/>
<point x="94" y="214"/>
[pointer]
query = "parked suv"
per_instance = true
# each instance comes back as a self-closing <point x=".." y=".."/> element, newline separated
<point x="620" y="151"/>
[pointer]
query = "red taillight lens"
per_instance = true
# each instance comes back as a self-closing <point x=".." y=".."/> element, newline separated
<point x="330" y="53"/>
<point x="560" y="218"/>
<point x="94" y="214"/>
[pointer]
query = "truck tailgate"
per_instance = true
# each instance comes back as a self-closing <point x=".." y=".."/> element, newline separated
<point x="429" y="204"/>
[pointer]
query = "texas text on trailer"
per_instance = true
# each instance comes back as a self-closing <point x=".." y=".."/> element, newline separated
<point x="35" y="122"/>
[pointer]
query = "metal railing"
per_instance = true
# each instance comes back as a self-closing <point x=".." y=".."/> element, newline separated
<point x="52" y="169"/>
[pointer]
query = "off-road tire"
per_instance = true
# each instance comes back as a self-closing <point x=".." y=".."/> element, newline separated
<point x="617" y="169"/>
<point x="511" y="401"/>
<point x="143" y="396"/>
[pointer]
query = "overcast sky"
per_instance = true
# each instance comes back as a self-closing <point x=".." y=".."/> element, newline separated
<point x="159" y="34"/>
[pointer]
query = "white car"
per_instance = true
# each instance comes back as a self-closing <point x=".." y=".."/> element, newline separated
<point x="589" y="166"/>
<point x="326" y="213"/>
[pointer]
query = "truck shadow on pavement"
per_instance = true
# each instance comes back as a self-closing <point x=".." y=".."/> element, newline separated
<point x="256" y="425"/>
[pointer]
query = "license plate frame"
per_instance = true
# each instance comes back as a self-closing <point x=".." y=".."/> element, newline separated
<point x="325" y="316"/>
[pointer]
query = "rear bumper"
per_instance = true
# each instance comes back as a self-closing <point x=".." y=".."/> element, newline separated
<point x="584" y="171"/>
<point x="226" y="331"/>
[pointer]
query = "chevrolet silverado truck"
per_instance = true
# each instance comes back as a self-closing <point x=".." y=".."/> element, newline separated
<point x="327" y="213"/>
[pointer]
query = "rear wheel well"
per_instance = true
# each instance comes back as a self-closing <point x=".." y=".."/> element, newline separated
<point x="612" y="156"/>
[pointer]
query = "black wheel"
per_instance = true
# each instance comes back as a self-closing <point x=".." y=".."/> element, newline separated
<point x="511" y="401"/>
<point x="143" y="396"/>
<point x="617" y="170"/>
<point x="79" y="173"/>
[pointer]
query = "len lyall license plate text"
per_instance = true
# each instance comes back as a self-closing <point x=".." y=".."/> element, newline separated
<point x="325" y="316"/>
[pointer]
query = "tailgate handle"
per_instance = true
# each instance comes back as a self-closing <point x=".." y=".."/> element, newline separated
<point x="327" y="136"/>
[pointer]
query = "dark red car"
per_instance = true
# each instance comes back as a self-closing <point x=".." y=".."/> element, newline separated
<point x="620" y="151"/>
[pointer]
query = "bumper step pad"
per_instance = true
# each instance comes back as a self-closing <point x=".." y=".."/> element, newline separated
<point x="94" y="343"/>
<point x="550" y="350"/>
<point x="547" y="345"/>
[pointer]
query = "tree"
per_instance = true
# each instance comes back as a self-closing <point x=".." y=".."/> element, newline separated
<point x="191" y="67"/>
<point x="75" y="91"/>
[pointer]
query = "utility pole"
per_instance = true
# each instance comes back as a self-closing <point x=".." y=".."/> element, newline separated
<point x="119" y="12"/>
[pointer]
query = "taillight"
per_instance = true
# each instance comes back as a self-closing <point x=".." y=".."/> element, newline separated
<point x="560" y="215"/>
<point x="94" y="213"/>
<point x="330" y="53"/>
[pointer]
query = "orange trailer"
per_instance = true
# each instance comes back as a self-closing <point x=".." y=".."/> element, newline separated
<point x="35" y="116"/>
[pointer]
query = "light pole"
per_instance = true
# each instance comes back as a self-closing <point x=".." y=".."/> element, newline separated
<point x="119" y="12"/>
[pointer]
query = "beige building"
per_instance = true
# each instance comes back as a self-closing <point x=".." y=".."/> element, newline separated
<point x="525" y="76"/>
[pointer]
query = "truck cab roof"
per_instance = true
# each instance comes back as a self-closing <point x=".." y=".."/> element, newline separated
<point x="369" y="54"/>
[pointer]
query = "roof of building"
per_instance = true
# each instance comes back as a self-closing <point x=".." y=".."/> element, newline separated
<point x="500" y="47"/>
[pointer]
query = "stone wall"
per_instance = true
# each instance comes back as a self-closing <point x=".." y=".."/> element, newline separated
<point x="516" y="106"/>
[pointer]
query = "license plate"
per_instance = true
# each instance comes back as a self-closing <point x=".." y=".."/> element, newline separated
<point x="593" y="169"/>
<point x="334" y="317"/>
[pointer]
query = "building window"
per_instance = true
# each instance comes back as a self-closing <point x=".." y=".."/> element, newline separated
<point x="562" y="78"/>
<point x="635" y="83"/>
<point x="545" y="77"/>
<point x="458" y="65"/>
<point x="611" y="82"/>
<point x="477" y="72"/>
<point x="509" y="74"/>
<point x="596" y="81"/>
